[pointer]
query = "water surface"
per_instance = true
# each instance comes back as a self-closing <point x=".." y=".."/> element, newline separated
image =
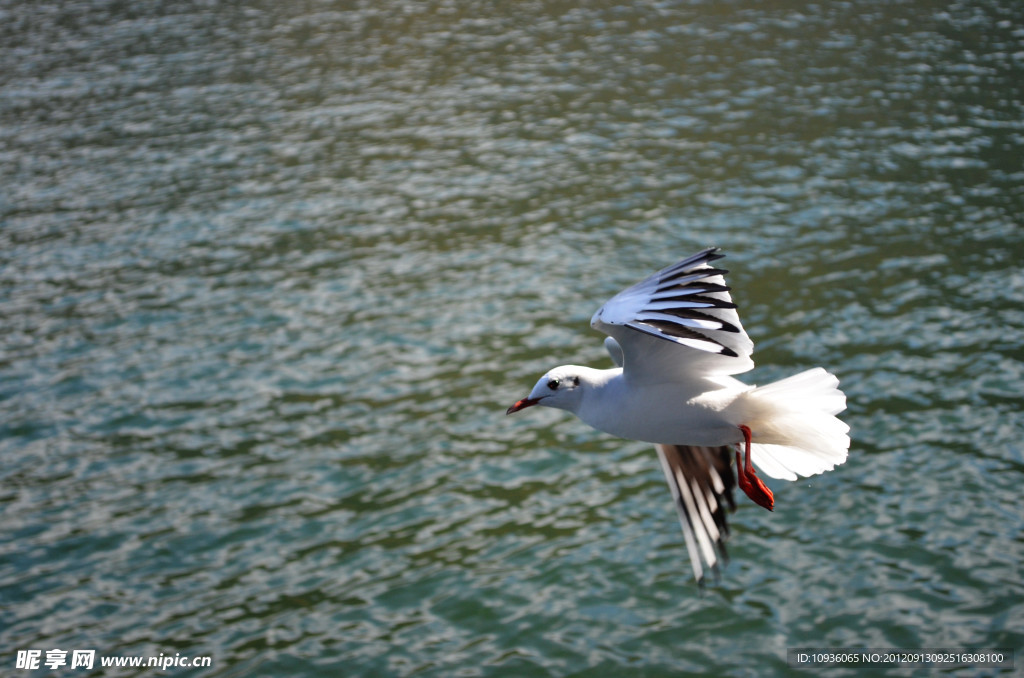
<point x="271" y="274"/>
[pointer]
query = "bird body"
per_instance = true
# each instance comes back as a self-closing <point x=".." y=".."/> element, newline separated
<point x="708" y="411"/>
<point x="604" y="400"/>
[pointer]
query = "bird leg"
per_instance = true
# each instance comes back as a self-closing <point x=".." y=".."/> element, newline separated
<point x="747" y="477"/>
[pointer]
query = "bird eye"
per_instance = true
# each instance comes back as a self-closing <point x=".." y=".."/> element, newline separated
<point x="553" y="384"/>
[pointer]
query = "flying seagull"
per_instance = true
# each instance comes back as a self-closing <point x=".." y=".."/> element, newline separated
<point x="676" y="339"/>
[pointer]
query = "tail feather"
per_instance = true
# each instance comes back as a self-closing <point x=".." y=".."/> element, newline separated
<point x="798" y="433"/>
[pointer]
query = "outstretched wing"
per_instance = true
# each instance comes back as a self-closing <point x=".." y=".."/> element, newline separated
<point x="702" y="483"/>
<point x="679" y="322"/>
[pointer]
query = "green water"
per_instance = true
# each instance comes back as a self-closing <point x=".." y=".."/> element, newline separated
<point x="270" y="275"/>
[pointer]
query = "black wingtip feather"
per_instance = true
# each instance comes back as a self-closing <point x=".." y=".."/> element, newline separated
<point x="676" y="330"/>
<point x="690" y="271"/>
<point x="693" y="314"/>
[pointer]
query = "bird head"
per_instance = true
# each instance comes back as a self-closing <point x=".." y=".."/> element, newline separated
<point x="561" y="388"/>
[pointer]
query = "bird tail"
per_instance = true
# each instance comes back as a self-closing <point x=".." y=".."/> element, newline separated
<point x="798" y="433"/>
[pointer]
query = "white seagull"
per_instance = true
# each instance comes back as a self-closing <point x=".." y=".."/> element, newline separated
<point x="676" y="339"/>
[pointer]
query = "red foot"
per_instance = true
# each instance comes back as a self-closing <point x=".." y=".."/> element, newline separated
<point x="747" y="477"/>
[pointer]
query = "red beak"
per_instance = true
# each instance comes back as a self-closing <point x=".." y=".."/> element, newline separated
<point x="522" y="405"/>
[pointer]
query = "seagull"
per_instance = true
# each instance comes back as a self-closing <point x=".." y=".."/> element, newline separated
<point x="676" y="340"/>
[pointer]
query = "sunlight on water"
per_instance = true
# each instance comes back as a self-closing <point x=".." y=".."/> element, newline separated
<point x="270" y="276"/>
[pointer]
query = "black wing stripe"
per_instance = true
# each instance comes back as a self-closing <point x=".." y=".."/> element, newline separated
<point x="680" y="302"/>
<point x="706" y="320"/>
<point x="699" y="259"/>
<point x="679" y="331"/>
<point x="682" y="291"/>
<point x="688" y="274"/>
<point x="701" y="301"/>
<point x="669" y="317"/>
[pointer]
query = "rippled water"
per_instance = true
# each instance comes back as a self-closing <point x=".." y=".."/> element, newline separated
<point x="271" y="274"/>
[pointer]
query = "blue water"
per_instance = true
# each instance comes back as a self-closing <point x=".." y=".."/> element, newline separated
<point x="271" y="274"/>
